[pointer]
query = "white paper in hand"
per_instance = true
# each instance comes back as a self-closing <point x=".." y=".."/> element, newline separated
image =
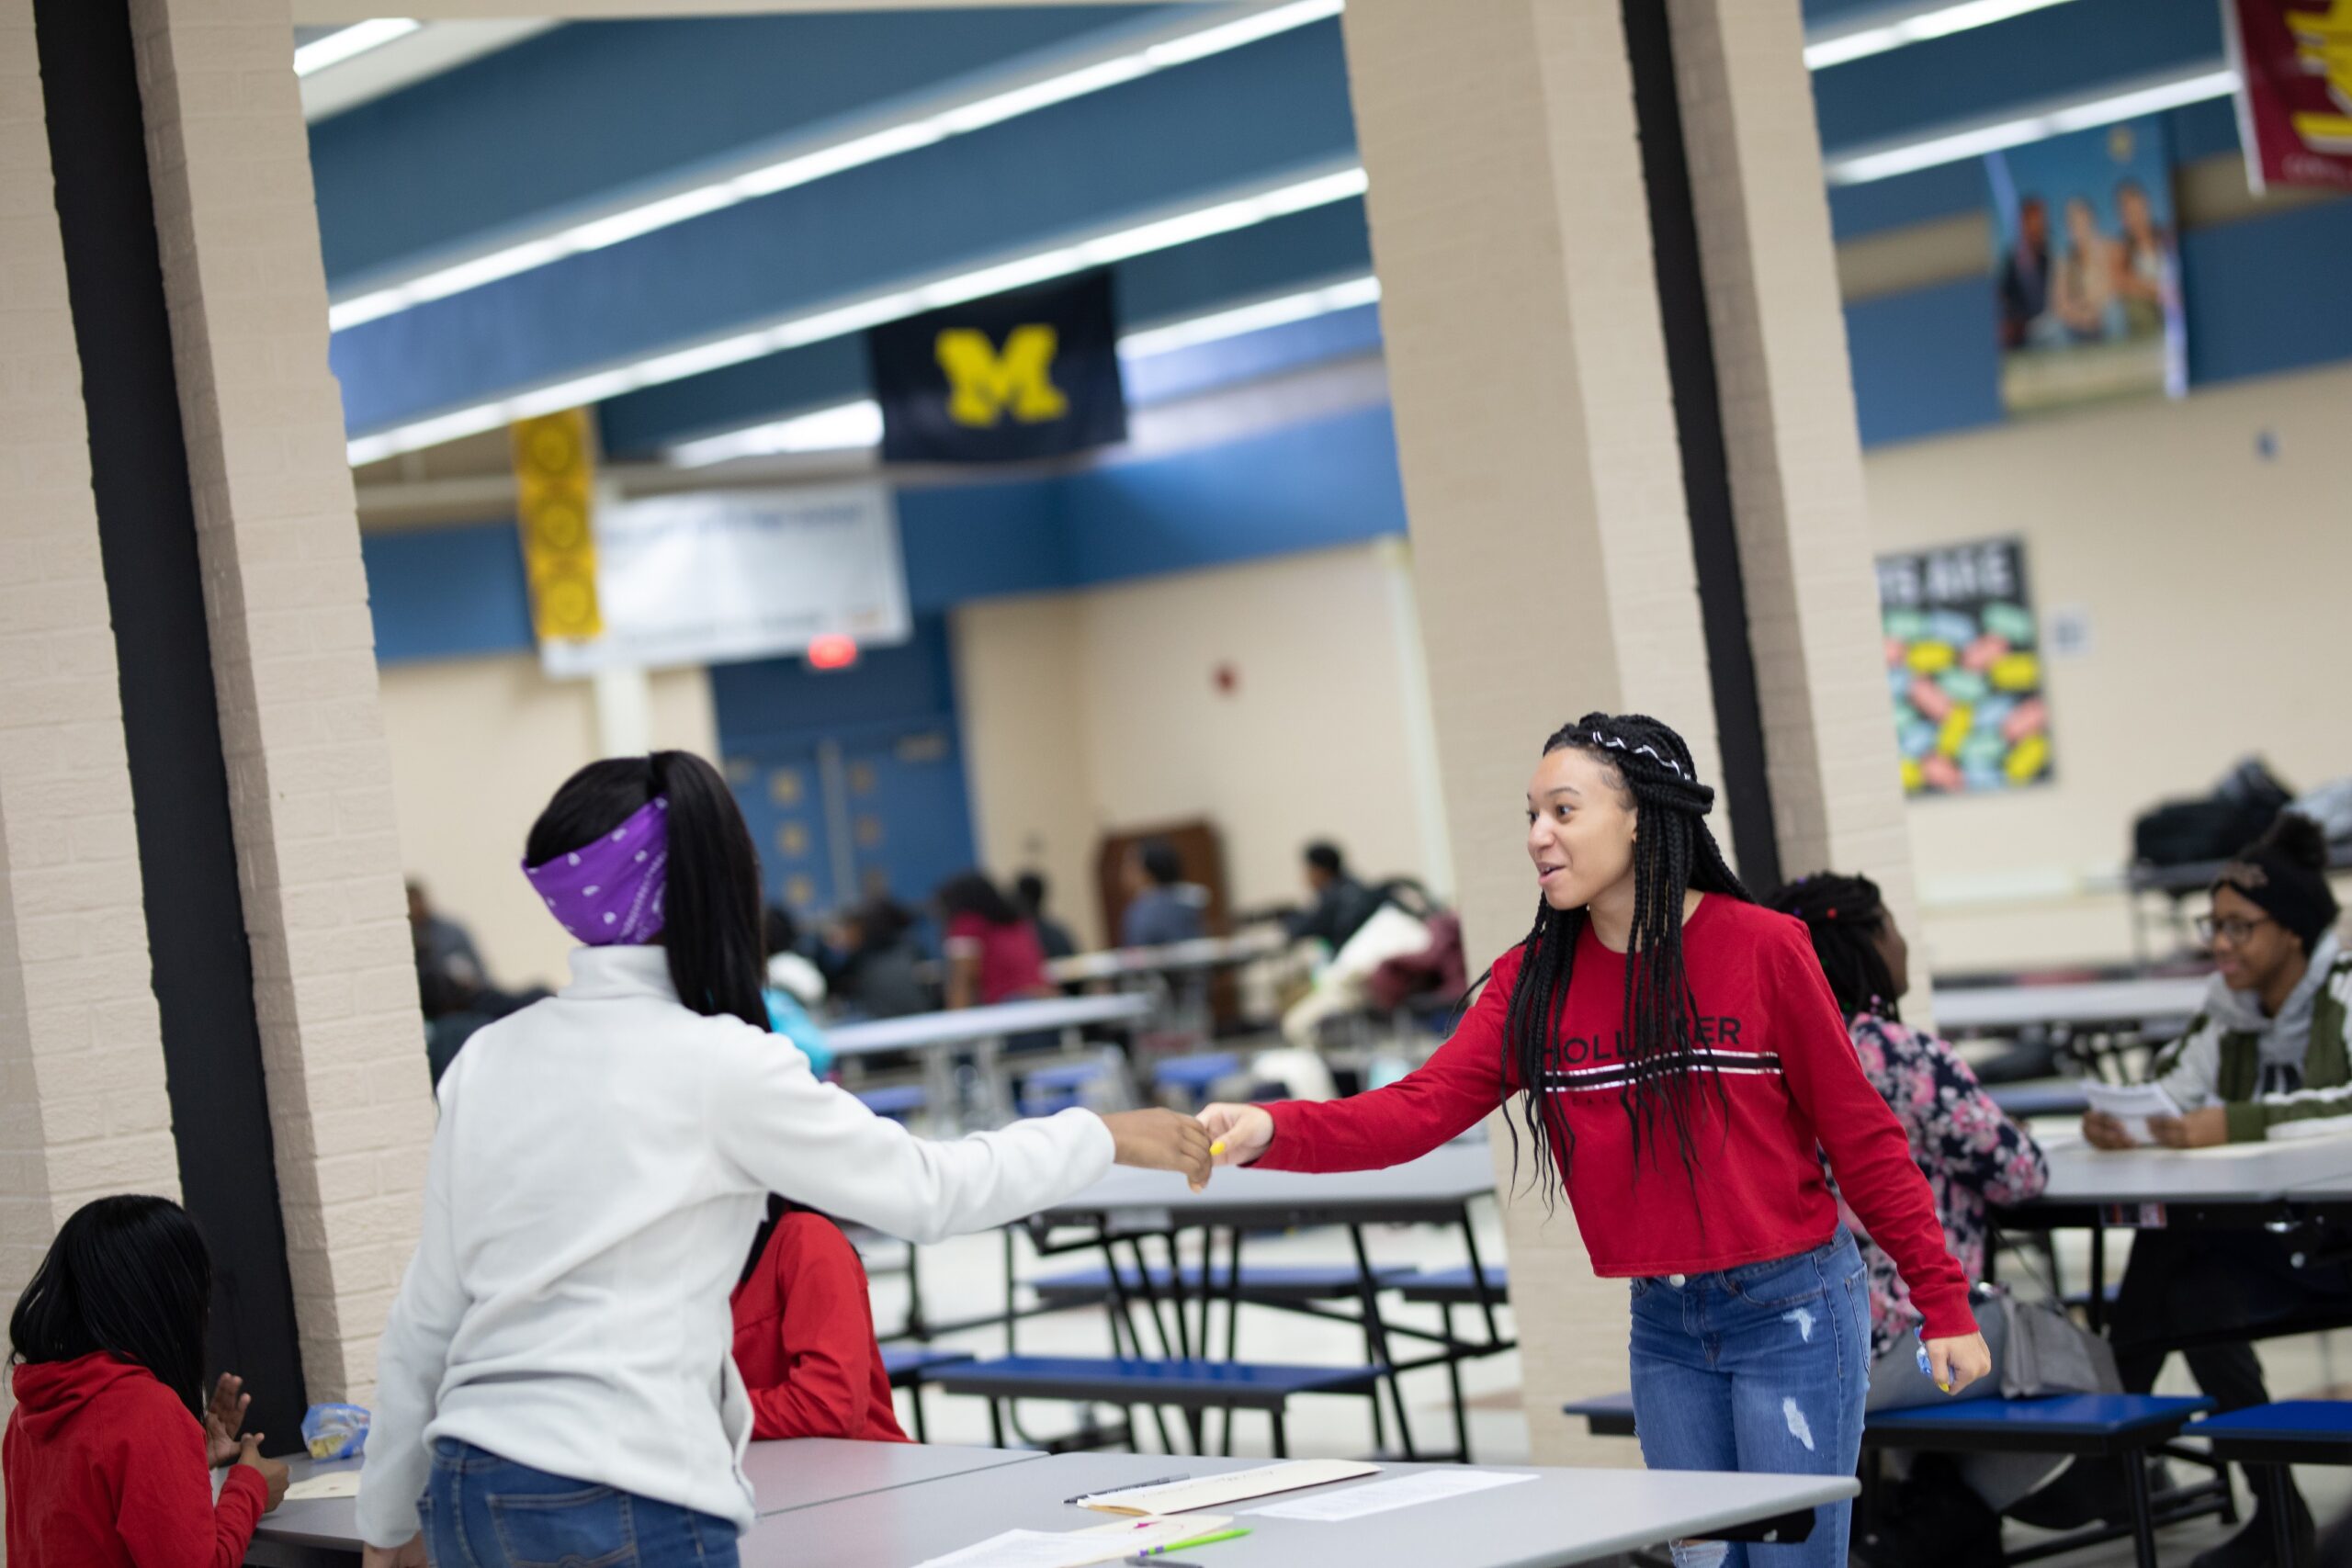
<point x="2132" y="1104"/>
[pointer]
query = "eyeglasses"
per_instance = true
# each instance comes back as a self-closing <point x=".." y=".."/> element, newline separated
<point x="2233" y="932"/>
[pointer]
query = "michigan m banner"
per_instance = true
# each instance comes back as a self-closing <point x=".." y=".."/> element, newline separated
<point x="1032" y="374"/>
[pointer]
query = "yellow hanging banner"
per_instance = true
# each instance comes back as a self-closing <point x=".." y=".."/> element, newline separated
<point x="555" y="475"/>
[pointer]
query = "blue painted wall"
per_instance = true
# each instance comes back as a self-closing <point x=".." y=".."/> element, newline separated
<point x="1924" y="363"/>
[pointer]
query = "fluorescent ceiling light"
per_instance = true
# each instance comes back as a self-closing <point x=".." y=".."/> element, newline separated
<point x="344" y="43"/>
<point x="848" y="427"/>
<point x="855" y="315"/>
<point x="1894" y="26"/>
<point x="801" y="167"/>
<point x="1863" y="166"/>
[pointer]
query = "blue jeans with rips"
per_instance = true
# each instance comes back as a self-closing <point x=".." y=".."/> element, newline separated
<point x="1762" y="1368"/>
<point x="482" y="1511"/>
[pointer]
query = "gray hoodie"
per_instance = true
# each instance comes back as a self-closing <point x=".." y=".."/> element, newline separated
<point x="2267" y="1069"/>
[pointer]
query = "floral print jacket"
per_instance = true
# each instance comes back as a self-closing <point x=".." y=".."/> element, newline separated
<point x="1970" y="1154"/>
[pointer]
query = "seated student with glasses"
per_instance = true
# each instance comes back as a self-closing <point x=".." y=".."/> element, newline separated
<point x="2269" y="1046"/>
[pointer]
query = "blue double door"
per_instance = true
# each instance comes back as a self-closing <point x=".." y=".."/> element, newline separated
<point x="852" y="780"/>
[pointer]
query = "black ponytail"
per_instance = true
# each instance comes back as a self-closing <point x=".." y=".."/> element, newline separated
<point x="711" y="908"/>
<point x="1673" y="852"/>
<point x="1845" y="916"/>
<point x="128" y="1275"/>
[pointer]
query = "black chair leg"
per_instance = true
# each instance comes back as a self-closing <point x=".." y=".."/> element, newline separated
<point x="2277" y="1486"/>
<point x="2143" y="1523"/>
<point x="922" y="1428"/>
<point x="996" y="1423"/>
<point x="1282" y="1435"/>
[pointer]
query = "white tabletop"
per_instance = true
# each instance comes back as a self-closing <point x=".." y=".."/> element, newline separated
<point x="1448" y="1175"/>
<point x="1985" y="1007"/>
<point x="966" y="1025"/>
<point x="298" y="1534"/>
<point x="784" y="1476"/>
<point x="1561" y="1516"/>
<point x="2230" y="1173"/>
<point x="1201" y="953"/>
<point x="808" y="1470"/>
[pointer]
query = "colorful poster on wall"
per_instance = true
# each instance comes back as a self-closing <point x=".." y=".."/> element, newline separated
<point x="2086" y="269"/>
<point x="2294" y="65"/>
<point x="1963" y="665"/>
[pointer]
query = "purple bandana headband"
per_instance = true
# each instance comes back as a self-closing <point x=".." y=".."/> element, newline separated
<point x="609" y="891"/>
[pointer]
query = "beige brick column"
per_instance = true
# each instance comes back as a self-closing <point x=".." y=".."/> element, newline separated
<point x="318" y="851"/>
<point x="82" y="1109"/>
<point x="1536" y="437"/>
<point x="1790" y="437"/>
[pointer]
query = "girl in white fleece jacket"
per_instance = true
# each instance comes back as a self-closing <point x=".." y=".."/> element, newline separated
<point x="555" y="1384"/>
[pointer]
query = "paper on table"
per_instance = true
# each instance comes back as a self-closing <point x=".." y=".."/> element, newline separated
<point x="334" y="1483"/>
<point x="2132" y="1104"/>
<point x="1076" y="1549"/>
<point x="1232" y="1486"/>
<point x="1404" y="1492"/>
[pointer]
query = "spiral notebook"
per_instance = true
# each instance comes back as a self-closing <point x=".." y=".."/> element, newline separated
<point x="1233" y="1486"/>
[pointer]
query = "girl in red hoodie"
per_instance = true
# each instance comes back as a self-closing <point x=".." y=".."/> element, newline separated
<point x="106" y="1462"/>
<point x="804" y="1334"/>
<point x="1680" y="1068"/>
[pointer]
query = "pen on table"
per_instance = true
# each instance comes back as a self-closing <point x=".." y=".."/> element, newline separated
<point x="1133" y="1486"/>
<point x="1183" y="1545"/>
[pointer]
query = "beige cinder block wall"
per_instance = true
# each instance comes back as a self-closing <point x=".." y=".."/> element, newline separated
<point x="310" y="796"/>
<point x="1542" y="478"/>
<point x="1789" y="438"/>
<point x="82" y="1108"/>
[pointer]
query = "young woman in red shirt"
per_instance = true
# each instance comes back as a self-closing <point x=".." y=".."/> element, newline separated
<point x="1680" y="1068"/>
<point x="804" y="1334"/>
<point x="110" y="1449"/>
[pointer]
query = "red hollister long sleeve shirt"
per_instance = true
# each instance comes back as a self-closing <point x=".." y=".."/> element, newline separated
<point x="804" y="1338"/>
<point x="105" y="1469"/>
<point x="1791" y="1089"/>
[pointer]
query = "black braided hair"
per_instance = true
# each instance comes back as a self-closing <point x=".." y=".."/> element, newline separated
<point x="1845" y="916"/>
<point x="1673" y="851"/>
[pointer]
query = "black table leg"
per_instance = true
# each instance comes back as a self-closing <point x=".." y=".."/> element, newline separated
<point x="2276" y="1487"/>
<point x="2143" y="1523"/>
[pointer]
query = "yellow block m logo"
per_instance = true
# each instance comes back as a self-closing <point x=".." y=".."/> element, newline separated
<point x="983" y="384"/>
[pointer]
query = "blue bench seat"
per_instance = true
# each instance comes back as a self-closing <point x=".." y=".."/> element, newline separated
<point x="1458" y="1287"/>
<point x="908" y="1364"/>
<point x="894" y="1100"/>
<point x="1187" y="1382"/>
<point x="1308" y="1282"/>
<point x="2293" y="1431"/>
<point x="2060" y="1424"/>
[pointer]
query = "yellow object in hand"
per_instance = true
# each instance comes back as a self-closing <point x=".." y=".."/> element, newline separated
<point x="1216" y="1148"/>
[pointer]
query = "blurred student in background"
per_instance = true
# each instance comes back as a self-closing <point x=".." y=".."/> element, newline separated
<point x="992" y="953"/>
<point x="1029" y="893"/>
<point x="804" y="1334"/>
<point x="1161" y="907"/>
<point x="874" y="968"/>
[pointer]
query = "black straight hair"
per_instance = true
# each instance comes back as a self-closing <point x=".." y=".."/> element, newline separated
<point x="1673" y="852"/>
<point x="1325" y="857"/>
<point x="1029" y="892"/>
<point x="711" y="921"/>
<point x="128" y="1275"/>
<point x="1844" y="915"/>
<point x="973" y="894"/>
<point x="1161" y="863"/>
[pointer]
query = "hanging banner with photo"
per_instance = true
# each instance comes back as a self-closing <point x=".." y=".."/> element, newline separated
<point x="1031" y="374"/>
<point x="2294" y="63"/>
<point x="2086" y="269"/>
<point x="721" y="576"/>
<point x="1963" y="665"/>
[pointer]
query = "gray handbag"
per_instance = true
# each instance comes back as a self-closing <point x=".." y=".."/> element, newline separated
<point x="2048" y="1352"/>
